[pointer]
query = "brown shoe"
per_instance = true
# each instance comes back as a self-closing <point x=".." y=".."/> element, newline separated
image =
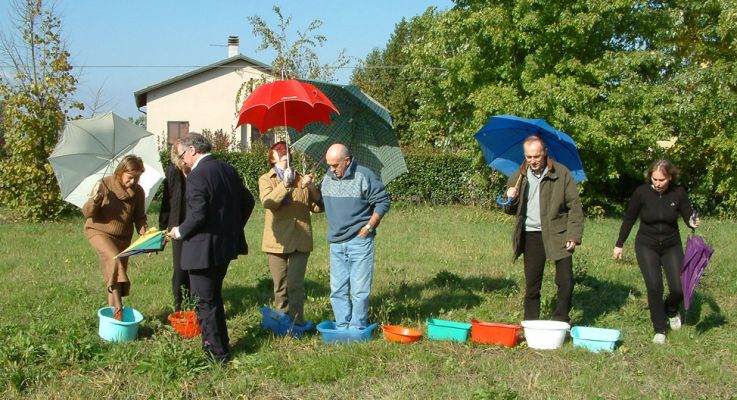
<point x="118" y="314"/>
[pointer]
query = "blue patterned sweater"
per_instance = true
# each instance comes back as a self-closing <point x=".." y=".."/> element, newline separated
<point x="351" y="200"/>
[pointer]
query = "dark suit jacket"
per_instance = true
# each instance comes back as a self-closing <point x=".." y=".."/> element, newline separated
<point x="218" y="207"/>
<point x="173" y="202"/>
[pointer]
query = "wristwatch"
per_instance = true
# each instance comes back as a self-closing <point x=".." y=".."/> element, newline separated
<point x="369" y="228"/>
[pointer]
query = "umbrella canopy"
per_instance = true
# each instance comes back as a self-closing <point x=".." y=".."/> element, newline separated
<point x="90" y="149"/>
<point x="149" y="242"/>
<point x="502" y="136"/>
<point x="364" y="125"/>
<point x="289" y="103"/>
<point x="695" y="261"/>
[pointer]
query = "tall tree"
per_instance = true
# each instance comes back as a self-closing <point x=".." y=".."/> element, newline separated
<point x="618" y="75"/>
<point x="296" y="59"/>
<point x="37" y="97"/>
<point x="381" y="74"/>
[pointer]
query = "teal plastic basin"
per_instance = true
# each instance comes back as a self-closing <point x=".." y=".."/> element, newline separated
<point x="438" y="329"/>
<point x="595" y="339"/>
<point x="113" y="330"/>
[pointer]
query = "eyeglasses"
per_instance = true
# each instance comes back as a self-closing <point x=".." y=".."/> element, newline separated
<point x="181" y="156"/>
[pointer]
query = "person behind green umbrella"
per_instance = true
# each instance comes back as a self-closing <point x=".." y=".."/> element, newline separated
<point x="172" y="213"/>
<point x="289" y="198"/>
<point x="115" y="204"/>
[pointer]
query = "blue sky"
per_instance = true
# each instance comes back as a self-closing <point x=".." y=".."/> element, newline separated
<point x="158" y="33"/>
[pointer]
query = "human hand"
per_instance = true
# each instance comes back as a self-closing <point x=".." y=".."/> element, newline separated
<point x="307" y="180"/>
<point x="618" y="253"/>
<point x="288" y="177"/>
<point x="570" y="245"/>
<point x="694" y="221"/>
<point x="96" y="192"/>
<point x="512" y="192"/>
<point x="363" y="232"/>
<point x="142" y="230"/>
<point x="173" y="233"/>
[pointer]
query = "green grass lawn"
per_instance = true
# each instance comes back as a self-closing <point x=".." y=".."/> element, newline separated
<point x="446" y="262"/>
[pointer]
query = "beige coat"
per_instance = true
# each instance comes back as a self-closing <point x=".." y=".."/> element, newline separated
<point x="287" y="225"/>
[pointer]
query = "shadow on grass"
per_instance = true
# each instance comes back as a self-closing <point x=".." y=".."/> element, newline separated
<point x="597" y="297"/>
<point x="444" y="292"/>
<point x="712" y="320"/>
<point x="240" y="299"/>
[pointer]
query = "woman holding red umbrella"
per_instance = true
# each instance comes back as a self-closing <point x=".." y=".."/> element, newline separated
<point x="289" y="198"/>
<point x="658" y="203"/>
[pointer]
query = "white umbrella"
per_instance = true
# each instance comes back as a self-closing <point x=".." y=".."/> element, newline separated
<point x="90" y="149"/>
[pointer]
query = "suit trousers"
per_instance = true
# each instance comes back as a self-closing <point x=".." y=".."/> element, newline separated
<point x="288" y="273"/>
<point x="534" y="254"/>
<point x="207" y="286"/>
<point x="179" y="277"/>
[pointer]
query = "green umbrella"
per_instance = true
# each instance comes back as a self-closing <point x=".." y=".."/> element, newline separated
<point x="363" y="125"/>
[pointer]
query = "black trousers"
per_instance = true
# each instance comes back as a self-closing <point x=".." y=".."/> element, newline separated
<point x="651" y="257"/>
<point x="179" y="277"/>
<point x="534" y="255"/>
<point x="207" y="285"/>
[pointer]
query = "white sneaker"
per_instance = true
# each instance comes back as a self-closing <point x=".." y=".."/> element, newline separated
<point x="675" y="323"/>
<point x="659" y="338"/>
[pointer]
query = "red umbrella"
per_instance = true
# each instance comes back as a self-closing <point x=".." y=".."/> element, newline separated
<point x="285" y="103"/>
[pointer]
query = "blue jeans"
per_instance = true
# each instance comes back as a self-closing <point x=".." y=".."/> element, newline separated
<point x="351" y="272"/>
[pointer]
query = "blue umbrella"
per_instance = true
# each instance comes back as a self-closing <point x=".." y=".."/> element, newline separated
<point x="501" y="141"/>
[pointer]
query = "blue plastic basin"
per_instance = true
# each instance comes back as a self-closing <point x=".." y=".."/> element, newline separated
<point x="113" y="330"/>
<point x="438" y="329"/>
<point x="332" y="335"/>
<point x="281" y="324"/>
<point x="595" y="339"/>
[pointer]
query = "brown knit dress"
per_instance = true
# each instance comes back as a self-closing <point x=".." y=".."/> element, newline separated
<point x="109" y="228"/>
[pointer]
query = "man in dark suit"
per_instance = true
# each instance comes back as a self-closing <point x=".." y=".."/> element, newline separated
<point x="218" y="207"/>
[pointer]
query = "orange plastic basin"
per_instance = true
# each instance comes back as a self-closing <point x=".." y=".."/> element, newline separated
<point x="493" y="333"/>
<point x="185" y="323"/>
<point x="401" y="334"/>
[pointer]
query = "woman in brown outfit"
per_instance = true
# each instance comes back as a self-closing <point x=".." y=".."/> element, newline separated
<point x="116" y="203"/>
<point x="288" y="198"/>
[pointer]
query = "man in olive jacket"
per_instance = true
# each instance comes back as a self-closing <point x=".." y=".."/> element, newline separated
<point x="549" y="225"/>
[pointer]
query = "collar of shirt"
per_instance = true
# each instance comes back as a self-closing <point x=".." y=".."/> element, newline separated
<point x="196" y="163"/>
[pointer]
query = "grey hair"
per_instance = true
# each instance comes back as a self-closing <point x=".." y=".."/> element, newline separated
<point x="200" y="143"/>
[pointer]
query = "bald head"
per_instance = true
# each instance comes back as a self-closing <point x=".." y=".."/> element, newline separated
<point x="338" y="158"/>
<point x="337" y="150"/>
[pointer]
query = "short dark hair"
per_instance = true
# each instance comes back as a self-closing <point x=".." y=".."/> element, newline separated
<point x="666" y="166"/>
<point x="200" y="143"/>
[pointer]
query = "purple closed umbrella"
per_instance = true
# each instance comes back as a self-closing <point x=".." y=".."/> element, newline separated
<point x="694" y="262"/>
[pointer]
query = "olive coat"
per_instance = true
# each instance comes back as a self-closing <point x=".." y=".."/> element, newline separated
<point x="561" y="212"/>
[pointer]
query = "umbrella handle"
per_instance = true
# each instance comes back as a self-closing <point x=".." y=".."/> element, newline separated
<point x="500" y="200"/>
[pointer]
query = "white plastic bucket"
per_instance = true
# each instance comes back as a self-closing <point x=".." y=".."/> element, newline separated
<point x="544" y="334"/>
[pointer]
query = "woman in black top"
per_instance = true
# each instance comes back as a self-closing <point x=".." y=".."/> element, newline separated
<point x="658" y="242"/>
<point x="173" y="211"/>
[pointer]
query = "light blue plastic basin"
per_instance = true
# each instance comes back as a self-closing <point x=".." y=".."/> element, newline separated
<point x="595" y="339"/>
<point x="332" y="335"/>
<point x="438" y="329"/>
<point x="113" y="330"/>
<point x="281" y="324"/>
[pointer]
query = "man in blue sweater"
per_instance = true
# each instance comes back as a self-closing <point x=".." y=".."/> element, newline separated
<point x="355" y="202"/>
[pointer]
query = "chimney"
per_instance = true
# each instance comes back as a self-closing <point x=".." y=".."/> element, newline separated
<point x="233" y="46"/>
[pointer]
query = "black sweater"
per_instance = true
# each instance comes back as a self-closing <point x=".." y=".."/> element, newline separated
<point x="173" y="203"/>
<point x="658" y="215"/>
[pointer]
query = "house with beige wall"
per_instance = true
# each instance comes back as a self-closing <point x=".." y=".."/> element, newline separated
<point x="203" y="99"/>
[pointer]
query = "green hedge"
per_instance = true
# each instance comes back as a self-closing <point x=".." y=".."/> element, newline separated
<point x="433" y="178"/>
